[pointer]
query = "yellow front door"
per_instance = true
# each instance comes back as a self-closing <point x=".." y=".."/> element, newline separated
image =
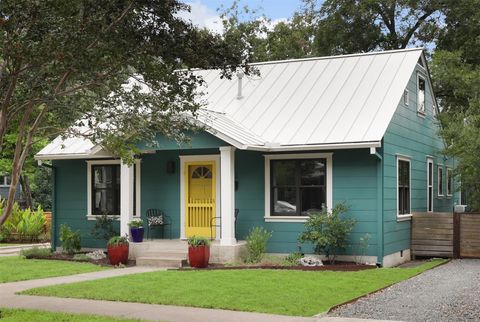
<point x="200" y="198"/>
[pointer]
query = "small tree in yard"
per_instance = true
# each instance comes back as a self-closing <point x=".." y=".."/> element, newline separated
<point x="328" y="232"/>
<point x="115" y="72"/>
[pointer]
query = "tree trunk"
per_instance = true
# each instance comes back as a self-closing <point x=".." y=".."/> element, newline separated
<point x="26" y="192"/>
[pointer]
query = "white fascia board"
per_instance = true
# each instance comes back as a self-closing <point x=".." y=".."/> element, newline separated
<point x="312" y="147"/>
<point x="69" y="156"/>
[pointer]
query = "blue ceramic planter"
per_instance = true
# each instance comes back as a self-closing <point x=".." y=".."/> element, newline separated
<point x="137" y="234"/>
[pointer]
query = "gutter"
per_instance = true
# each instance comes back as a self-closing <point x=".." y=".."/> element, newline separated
<point x="380" y="206"/>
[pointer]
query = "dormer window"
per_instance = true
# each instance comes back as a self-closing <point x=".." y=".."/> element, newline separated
<point x="420" y="94"/>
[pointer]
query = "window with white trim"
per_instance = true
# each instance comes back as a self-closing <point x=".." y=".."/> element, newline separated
<point x="403" y="186"/>
<point x="421" y="94"/>
<point x="298" y="187"/>
<point x="104" y="188"/>
<point x="429" y="185"/>
<point x="5" y="180"/>
<point x="449" y="182"/>
<point x="440" y="180"/>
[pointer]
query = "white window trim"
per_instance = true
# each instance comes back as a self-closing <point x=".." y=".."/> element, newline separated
<point x="406" y="97"/>
<point x="429" y="161"/>
<point x="3" y="184"/>
<point x="403" y="217"/>
<point x="138" y="206"/>
<point x="440" y="191"/>
<point x="449" y="193"/>
<point x="419" y="112"/>
<point x="329" y="197"/>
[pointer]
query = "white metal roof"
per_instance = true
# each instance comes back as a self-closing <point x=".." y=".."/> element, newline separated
<point x="313" y="103"/>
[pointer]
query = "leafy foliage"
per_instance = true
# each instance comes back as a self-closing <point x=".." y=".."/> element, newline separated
<point x="42" y="188"/>
<point x="114" y="72"/>
<point x="70" y="239"/>
<point x="23" y="225"/>
<point x="257" y="240"/>
<point x="328" y="232"/>
<point x="196" y="241"/>
<point x="117" y="240"/>
<point x="136" y="223"/>
<point x="104" y="228"/>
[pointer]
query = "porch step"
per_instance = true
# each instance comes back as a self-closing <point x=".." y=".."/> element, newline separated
<point x="160" y="261"/>
<point x="164" y="254"/>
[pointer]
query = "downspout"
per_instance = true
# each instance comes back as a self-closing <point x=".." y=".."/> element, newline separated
<point x="53" y="234"/>
<point x="380" y="207"/>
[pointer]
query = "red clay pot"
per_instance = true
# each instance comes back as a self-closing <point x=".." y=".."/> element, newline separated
<point x="118" y="254"/>
<point x="198" y="256"/>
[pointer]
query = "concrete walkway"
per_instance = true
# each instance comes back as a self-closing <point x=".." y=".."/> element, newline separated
<point x="16" y="249"/>
<point x="150" y="312"/>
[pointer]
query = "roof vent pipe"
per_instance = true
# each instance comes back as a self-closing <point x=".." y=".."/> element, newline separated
<point x="240" y="75"/>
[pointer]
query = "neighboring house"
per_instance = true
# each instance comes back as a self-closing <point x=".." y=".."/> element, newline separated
<point x="5" y="187"/>
<point x="304" y="134"/>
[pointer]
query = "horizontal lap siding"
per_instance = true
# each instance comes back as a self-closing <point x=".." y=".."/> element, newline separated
<point x="71" y="201"/>
<point x="354" y="182"/>
<point x="411" y="135"/>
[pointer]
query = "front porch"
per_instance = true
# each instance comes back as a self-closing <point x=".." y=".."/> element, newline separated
<point x="174" y="252"/>
<point x="195" y="190"/>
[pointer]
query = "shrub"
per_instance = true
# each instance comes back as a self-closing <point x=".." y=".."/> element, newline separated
<point x="36" y="252"/>
<point x="103" y="228"/>
<point x="328" y="232"/>
<point x="117" y="240"/>
<point x="196" y="241"/>
<point x="257" y="240"/>
<point x="70" y="239"/>
<point x="31" y="225"/>
<point x="23" y="225"/>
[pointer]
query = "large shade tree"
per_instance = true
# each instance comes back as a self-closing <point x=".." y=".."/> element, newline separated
<point x="64" y="66"/>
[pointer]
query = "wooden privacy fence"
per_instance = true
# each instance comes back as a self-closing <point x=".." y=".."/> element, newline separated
<point x="454" y="235"/>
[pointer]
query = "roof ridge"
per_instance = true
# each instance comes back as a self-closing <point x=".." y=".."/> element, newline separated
<point x="380" y="52"/>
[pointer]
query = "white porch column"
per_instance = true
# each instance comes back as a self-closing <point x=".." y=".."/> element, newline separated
<point x="126" y="197"/>
<point x="227" y="201"/>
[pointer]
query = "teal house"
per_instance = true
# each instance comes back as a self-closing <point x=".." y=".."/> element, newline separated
<point x="302" y="135"/>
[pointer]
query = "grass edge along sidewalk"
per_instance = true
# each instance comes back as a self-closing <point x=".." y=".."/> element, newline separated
<point x="29" y="269"/>
<point x="295" y="293"/>
<point x="21" y="315"/>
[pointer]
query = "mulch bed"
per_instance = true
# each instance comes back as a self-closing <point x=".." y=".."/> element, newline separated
<point x="69" y="258"/>
<point x="339" y="266"/>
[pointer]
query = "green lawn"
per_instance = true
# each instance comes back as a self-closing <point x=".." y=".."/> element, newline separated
<point x="287" y="292"/>
<point x="15" y="268"/>
<point x="15" y="315"/>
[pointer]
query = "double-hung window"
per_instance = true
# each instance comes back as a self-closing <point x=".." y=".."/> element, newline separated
<point x="429" y="185"/>
<point x="297" y="185"/>
<point x="403" y="186"/>
<point x="106" y="189"/>
<point x="420" y="94"/>
<point x="440" y="180"/>
<point x="5" y="180"/>
<point x="449" y="182"/>
<point x="104" y="182"/>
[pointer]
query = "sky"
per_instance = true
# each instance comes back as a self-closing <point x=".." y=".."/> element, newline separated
<point x="204" y="12"/>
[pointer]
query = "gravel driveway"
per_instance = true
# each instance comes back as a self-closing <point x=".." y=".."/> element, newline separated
<point x="450" y="292"/>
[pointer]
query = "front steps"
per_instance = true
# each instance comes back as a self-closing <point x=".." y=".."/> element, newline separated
<point x="160" y="253"/>
<point x="174" y="253"/>
<point x="162" y="259"/>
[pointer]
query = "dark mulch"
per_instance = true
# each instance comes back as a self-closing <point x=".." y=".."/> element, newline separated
<point x="338" y="266"/>
<point x="69" y="258"/>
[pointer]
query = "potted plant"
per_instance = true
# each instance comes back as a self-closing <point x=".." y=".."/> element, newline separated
<point x="136" y="230"/>
<point x="118" y="250"/>
<point x="198" y="251"/>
